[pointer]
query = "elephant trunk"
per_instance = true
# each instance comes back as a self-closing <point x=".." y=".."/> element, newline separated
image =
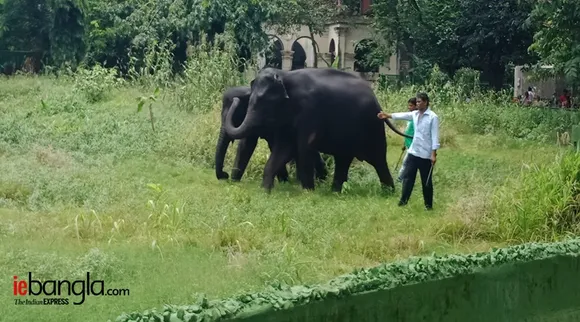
<point x="220" y="154"/>
<point x="236" y="133"/>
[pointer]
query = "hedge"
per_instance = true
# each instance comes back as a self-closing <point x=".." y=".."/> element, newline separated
<point x="527" y="282"/>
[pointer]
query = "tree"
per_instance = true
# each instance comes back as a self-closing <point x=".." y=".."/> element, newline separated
<point x="26" y="25"/>
<point x="494" y="34"/>
<point x="459" y="33"/>
<point x="558" y="39"/>
<point x="401" y="27"/>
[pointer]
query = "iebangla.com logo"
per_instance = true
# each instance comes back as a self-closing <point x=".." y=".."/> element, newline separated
<point x="54" y="291"/>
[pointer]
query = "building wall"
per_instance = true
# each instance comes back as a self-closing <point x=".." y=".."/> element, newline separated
<point x="345" y="38"/>
<point x="544" y="88"/>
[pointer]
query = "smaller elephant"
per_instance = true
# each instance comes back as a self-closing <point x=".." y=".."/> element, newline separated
<point x="247" y="145"/>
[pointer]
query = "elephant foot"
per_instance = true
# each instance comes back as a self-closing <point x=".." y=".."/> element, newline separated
<point x="221" y="175"/>
<point x="308" y="186"/>
<point x="268" y="185"/>
<point x="283" y="178"/>
<point x="388" y="189"/>
<point x="337" y="188"/>
<point x="322" y="176"/>
<point x="236" y="175"/>
<point x="268" y="190"/>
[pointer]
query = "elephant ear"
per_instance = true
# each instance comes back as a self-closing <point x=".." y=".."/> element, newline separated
<point x="279" y="80"/>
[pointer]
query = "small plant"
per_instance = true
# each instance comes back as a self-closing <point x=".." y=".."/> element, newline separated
<point x="86" y="225"/>
<point x="95" y="83"/>
<point x="151" y="98"/>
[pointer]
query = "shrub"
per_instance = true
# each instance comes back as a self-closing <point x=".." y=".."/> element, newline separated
<point x="209" y="71"/>
<point x="95" y="83"/>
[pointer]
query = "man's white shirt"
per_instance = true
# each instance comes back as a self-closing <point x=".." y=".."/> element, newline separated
<point x="426" y="137"/>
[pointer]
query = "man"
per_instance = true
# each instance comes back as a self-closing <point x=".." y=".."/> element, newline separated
<point x="422" y="153"/>
<point x="412" y="105"/>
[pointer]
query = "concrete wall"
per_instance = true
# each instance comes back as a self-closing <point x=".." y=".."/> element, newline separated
<point x="544" y="88"/>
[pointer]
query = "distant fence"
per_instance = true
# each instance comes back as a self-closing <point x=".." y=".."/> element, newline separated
<point x="529" y="282"/>
<point x="15" y="60"/>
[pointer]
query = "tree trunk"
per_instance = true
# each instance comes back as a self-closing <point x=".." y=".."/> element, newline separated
<point x="497" y="71"/>
<point x="314" y="49"/>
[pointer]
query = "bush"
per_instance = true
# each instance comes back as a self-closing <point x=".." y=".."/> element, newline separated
<point x="542" y="203"/>
<point x="95" y="83"/>
<point x="209" y="71"/>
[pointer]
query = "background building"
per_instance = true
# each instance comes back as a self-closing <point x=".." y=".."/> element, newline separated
<point x="341" y="40"/>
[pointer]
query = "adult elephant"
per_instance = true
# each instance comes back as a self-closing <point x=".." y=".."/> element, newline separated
<point x="247" y="144"/>
<point x="315" y="110"/>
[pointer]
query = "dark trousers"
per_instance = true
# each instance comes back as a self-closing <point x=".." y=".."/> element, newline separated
<point x="412" y="164"/>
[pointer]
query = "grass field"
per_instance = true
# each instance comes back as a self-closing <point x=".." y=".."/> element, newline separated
<point x="89" y="186"/>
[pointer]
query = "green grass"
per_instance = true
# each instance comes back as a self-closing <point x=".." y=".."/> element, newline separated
<point x="90" y="186"/>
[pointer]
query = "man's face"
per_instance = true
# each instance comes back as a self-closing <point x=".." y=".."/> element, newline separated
<point x="421" y="105"/>
<point x="412" y="107"/>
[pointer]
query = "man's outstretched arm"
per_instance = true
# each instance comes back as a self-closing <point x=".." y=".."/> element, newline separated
<point x="396" y="116"/>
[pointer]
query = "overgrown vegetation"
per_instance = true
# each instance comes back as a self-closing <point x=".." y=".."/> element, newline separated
<point x="84" y="168"/>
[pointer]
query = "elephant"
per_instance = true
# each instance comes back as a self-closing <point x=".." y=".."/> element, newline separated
<point x="247" y="145"/>
<point x="315" y="110"/>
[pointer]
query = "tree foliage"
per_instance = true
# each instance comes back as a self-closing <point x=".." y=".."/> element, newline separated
<point x="558" y="38"/>
<point x="451" y="34"/>
<point x="454" y="34"/>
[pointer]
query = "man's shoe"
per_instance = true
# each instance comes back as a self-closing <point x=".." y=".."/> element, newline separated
<point x="401" y="203"/>
<point x="428" y="208"/>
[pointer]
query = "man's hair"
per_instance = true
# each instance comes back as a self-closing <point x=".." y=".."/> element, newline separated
<point x="412" y="100"/>
<point x="423" y="97"/>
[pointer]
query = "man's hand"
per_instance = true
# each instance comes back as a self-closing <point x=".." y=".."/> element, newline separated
<point x="383" y="115"/>
<point x="433" y="157"/>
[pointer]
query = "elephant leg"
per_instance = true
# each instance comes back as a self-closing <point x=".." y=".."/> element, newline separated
<point x="282" y="175"/>
<point x="379" y="162"/>
<point x="377" y="157"/>
<point x="246" y="148"/>
<point x="281" y="154"/>
<point x="320" y="167"/>
<point x="341" y="167"/>
<point x="305" y="165"/>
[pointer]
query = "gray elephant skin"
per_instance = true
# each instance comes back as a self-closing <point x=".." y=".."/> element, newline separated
<point x="247" y="145"/>
<point x="314" y="110"/>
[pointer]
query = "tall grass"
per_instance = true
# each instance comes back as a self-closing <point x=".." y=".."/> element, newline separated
<point x="542" y="203"/>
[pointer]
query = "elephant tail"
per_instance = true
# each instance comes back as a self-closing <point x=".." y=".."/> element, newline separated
<point x="396" y="130"/>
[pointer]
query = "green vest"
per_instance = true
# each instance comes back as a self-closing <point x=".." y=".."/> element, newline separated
<point x="409" y="131"/>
